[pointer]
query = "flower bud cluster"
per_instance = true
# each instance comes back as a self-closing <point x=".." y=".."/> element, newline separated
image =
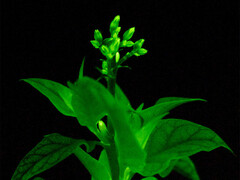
<point x="111" y="46"/>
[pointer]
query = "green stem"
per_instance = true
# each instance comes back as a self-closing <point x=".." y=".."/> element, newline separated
<point x="111" y="150"/>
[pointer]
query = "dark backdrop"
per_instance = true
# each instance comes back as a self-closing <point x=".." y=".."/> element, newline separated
<point x="193" y="52"/>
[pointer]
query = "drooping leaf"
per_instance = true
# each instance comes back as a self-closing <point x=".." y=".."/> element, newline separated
<point x="90" y="102"/>
<point x="163" y="106"/>
<point x="176" y="138"/>
<point x="51" y="150"/>
<point x="130" y="153"/>
<point x="96" y="168"/>
<point x="58" y="94"/>
<point x="186" y="167"/>
<point x="164" y="173"/>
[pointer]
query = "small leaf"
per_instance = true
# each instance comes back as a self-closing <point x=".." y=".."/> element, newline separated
<point x="81" y="69"/>
<point x="58" y="94"/>
<point x="97" y="169"/>
<point x="186" y="167"/>
<point x="163" y="106"/>
<point x="51" y="150"/>
<point x="176" y="138"/>
<point x="90" y="102"/>
<point x="164" y="173"/>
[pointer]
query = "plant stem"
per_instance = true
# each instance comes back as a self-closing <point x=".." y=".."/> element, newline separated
<point x="111" y="150"/>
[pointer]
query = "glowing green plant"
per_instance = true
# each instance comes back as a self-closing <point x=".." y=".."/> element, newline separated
<point x="133" y="141"/>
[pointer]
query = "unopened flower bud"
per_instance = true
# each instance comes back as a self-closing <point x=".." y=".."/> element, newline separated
<point x="129" y="44"/>
<point x="95" y="43"/>
<point x="138" y="44"/>
<point x="117" y="57"/>
<point x="115" y="45"/>
<point x="102" y="127"/>
<point x="104" y="49"/>
<point x="142" y="51"/>
<point x="114" y="24"/>
<point x="98" y="36"/>
<point x="128" y="34"/>
<point x="116" y="32"/>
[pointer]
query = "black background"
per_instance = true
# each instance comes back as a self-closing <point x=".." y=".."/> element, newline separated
<point x="192" y="52"/>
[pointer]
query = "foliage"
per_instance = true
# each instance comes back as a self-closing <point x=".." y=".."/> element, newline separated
<point x="133" y="141"/>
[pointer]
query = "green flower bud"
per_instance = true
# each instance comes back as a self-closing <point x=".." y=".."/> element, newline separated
<point x="123" y="43"/>
<point x="117" y="57"/>
<point x="129" y="44"/>
<point x="98" y="36"/>
<point x="138" y="44"/>
<point x="104" y="49"/>
<point x="103" y="129"/>
<point x="114" y="24"/>
<point x="107" y="41"/>
<point x="104" y="67"/>
<point x="115" y="45"/>
<point x="95" y="43"/>
<point x="142" y="51"/>
<point x="129" y="33"/>
<point x="116" y="32"/>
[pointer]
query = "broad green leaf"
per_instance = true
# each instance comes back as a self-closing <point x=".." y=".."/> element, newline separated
<point x="121" y="97"/>
<point x="186" y="167"/>
<point x="38" y="178"/>
<point x="90" y="102"/>
<point x="149" y="178"/>
<point x="176" y="138"/>
<point x="58" y="94"/>
<point x="97" y="169"/>
<point x="130" y="152"/>
<point x="50" y="151"/>
<point x="163" y="106"/>
<point x="144" y="133"/>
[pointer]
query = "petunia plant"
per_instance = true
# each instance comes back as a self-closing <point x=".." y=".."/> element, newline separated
<point x="133" y="141"/>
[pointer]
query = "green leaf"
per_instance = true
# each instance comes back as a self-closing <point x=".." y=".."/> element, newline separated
<point x="51" y="150"/>
<point x="38" y="178"/>
<point x="90" y="102"/>
<point x="143" y="133"/>
<point x="121" y="97"/>
<point x="176" y="138"/>
<point x="58" y="94"/>
<point x="186" y="167"/>
<point x="163" y="106"/>
<point x="149" y="178"/>
<point x="130" y="153"/>
<point x="164" y="173"/>
<point x="81" y="69"/>
<point x="97" y="169"/>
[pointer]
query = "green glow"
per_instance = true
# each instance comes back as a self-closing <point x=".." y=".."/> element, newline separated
<point x="133" y="141"/>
